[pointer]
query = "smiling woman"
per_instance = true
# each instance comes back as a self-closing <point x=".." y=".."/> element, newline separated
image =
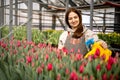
<point x="73" y="19"/>
<point x="77" y="35"/>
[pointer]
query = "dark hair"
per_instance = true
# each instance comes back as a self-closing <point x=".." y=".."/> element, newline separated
<point x="78" y="33"/>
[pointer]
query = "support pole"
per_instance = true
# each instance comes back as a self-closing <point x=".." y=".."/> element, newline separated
<point x="117" y="20"/>
<point x="91" y="14"/>
<point x="1" y="16"/>
<point x="104" y="21"/>
<point x="67" y="6"/>
<point x="1" y="12"/>
<point x="40" y="17"/>
<point x="16" y="12"/>
<point x="53" y="21"/>
<point x="11" y="19"/>
<point x="29" y="24"/>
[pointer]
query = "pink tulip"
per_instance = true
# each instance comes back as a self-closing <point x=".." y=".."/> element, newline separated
<point x="72" y="50"/>
<point x="78" y="50"/>
<point x="67" y="71"/>
<point x="36" y="56"/>
<point x="39" y="70"/>
<point x="33" y="50"/>
<point x="15" y="52"/>
<point x="18" y="43"/>
<point x="42" y="65"/>
<point x="46" y="56"/>
<point x="58" y="77"/>
<point x="59" y="56"/>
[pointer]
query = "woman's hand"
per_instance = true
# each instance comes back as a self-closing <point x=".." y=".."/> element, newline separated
<point x="104" y="44"/>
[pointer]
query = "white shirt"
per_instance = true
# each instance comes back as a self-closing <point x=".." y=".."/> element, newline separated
<point x="88" y="35"/>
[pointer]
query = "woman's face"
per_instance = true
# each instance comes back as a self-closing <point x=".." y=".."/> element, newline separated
<point x="73" y="20"/>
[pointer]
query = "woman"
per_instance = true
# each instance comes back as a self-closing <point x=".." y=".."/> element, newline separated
<point x="74" y="39"/>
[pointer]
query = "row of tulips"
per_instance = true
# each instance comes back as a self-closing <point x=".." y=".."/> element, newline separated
<point x="24" y="60"/>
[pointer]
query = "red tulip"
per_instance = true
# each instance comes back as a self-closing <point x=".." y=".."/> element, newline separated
<point x="78" y="56"/>
<point x="64" y="50"/>
<point x="73" y="76"/>
<point x="24" y="46"/>
<point x="49" y="67"/>
<point x="29" y="59"/>
<point x="0" y="43"/>
<point x="111" y="60"/>
<point x="29" y="42"/>
<point x="97" y="52"/>
<point x="81" y="69"/>
<point x="98" y="67"/>
<point x="103" y="57"/>
<point x="40" y="45"/>
<point x="104" y="76"/>
<point x="111" y="77"/>
<point x="3" y="45"/>
<point x="108" y="66"/>
<point x="67" y="71"/>
<point x="94" y="56"/>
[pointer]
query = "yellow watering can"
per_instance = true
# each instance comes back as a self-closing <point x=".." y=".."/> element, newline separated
<point x="102" y="52"/>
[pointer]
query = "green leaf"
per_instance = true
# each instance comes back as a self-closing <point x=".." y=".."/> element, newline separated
<point x="2" y="75"/>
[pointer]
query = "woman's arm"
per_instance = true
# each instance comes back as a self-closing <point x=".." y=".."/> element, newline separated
<point x="62" y="39"/>
<point x="90" y="34"/>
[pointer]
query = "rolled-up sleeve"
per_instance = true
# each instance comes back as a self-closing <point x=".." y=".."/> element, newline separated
<point x="90" y="34"/>
<point x="62" y="39"/>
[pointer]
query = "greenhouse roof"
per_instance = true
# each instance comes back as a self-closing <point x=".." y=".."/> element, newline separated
<point x="61" y="4"/>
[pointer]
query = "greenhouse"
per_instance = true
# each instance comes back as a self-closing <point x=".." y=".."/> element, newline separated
<point x="59" y="39"/>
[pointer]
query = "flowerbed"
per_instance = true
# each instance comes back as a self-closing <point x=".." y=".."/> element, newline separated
<point x="111" y="38"/>
<point x="52" y="36"/>
<point x="23" y="60"/>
